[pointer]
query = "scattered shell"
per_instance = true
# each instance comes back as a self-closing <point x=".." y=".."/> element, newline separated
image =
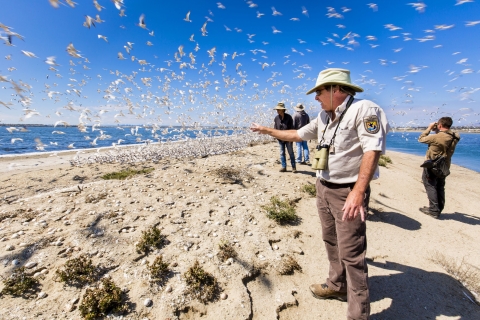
<point x="23" y="244"/>
<point x="10" y="247"/>
<point x="30" y="265"/>
<point x="14" y="236"/>
<point x="15" y="262"/>
<point x="21" y="233"/>
<point x="69" y="307"/>
<point x="168" y="288"/>
<point x="249" y="234"/>
<point x="147" y="302"/>
<point x="223" y="296"/>
<point x="297" y="250"/>
<point x="275" y="247"/>
<point x="41" y="295"/>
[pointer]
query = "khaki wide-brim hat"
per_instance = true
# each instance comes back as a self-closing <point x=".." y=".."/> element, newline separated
<point x="299" y="107"/>
<point x="280" y="106"/>
<point x="334" y="76"/>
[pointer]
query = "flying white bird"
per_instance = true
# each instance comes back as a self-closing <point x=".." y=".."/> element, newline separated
<point x="29" y="54"/>
<point x="419" y="6"/>
<point x="459" y="2"/>
<point x="304" y="11"/>
<point x="102" y="37"/>
<point x="187" y="17"/>
<point x="372" y="6"/>
<point x="471" y="23"/>
<point x="275" y="30"/>
<point x="141" y="22"/>
<point x="275" y="12"/>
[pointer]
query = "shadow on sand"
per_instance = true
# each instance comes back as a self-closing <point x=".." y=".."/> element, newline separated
<point x="419" y="294"/>
<point x="461" y="217"/>
<point x="393" y="217"/>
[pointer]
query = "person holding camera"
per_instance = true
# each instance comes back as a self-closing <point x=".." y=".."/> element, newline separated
<point x="351" y="135"/>
<point x="284" y="121"/>
<point x="442" y="143"/>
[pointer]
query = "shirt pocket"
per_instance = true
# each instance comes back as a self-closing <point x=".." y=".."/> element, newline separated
<point x="345" y="139"/>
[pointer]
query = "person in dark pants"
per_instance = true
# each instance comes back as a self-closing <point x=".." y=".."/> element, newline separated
<point x="300" y="120"/>
<point x="284" y="121"/>
<point x="443" y="142"/>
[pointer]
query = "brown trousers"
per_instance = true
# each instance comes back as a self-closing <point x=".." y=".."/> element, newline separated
<point x="346" y="244"/>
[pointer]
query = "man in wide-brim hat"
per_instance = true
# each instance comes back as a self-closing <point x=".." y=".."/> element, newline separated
<point x="300" y="120"/>
<point x="354" y="131"/>
<point x="284" y="121"/>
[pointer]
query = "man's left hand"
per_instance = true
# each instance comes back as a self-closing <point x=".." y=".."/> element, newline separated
<point x="353" y="205"/>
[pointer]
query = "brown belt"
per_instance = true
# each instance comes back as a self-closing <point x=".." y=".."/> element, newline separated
<point x="336" y="185"/>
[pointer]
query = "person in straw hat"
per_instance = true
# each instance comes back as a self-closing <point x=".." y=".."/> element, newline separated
<point x="352" y="134"/>
<point x="284" y="121"/>
<point x="301" y="119"/>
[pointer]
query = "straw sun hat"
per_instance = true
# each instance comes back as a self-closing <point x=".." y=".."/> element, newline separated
<point x="334" y="76"/>
<point x="299" y="107"/>
<point x="280" y="106"/>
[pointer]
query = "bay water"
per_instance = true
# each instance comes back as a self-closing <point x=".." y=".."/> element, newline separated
<point x="467" y="153"/>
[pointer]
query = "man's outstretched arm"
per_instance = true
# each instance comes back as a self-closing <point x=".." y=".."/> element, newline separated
<point x="284" y="135"/>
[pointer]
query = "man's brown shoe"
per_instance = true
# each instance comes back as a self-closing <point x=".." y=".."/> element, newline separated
<point x="321" y="291"/>
<point x="283" y="170"/>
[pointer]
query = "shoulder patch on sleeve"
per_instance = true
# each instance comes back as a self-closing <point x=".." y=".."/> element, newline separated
<point x="372" y="124"/>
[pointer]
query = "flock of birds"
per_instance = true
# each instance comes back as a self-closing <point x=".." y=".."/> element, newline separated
<point x="153" y="95"/>
<point x="189" y="149"/>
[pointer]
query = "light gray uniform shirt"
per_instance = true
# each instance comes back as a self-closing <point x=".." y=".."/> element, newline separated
<point x="364" y="127"/>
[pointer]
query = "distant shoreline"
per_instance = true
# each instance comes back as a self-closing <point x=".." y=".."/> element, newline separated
<point x="418" y="129"/>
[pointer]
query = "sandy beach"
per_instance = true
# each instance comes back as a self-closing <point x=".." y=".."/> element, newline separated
<point x="51" y="211"/>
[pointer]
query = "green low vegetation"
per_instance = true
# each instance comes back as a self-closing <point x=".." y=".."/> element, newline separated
<point x="125" y="174"/>
<point x="151" y="239"/>
<point x="100" y="301"/>
<point x="78" y="271"/>
<point x="201" y="285"/>
<point x="227" y="251"/>
<point x="310" y="189"/>
<point x="19" y="283"/>
<point x="384" y="160"/>
<point x="281" y="211"/>
<point x="158" y="270"/>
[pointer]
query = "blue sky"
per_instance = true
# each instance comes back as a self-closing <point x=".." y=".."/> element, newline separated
<point x="425" y="68"/>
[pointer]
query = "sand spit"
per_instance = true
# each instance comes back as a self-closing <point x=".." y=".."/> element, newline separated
<point x="51" y="212"/>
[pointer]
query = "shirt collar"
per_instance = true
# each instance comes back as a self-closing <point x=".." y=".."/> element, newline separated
<point x="340" y="108"/>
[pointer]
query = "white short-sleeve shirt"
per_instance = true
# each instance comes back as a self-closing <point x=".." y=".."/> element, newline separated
<point x="364" y="127"/>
